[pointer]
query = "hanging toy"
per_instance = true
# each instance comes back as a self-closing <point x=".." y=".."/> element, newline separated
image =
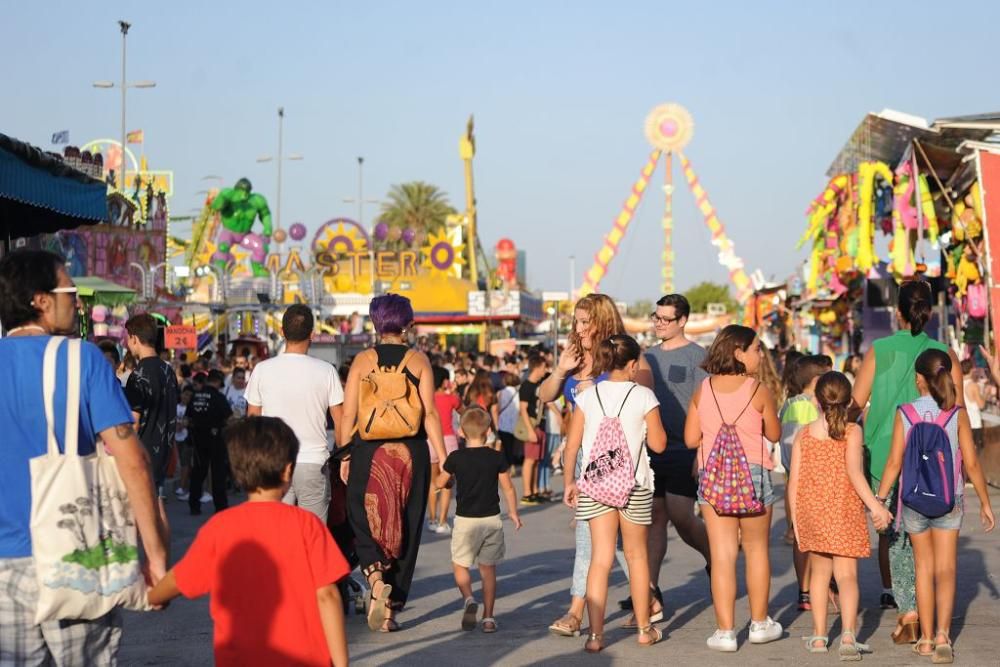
<point x="867" y="173"/>
<point x="904" y="219"/>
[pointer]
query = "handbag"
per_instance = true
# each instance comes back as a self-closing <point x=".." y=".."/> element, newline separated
<point x="83" y="534"/>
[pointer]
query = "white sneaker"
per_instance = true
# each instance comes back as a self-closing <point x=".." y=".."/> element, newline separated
<point x="762" y="632"/>
<point x="206" y="497"/>
<point x="432" y="525"/>
<point x="723" y="640"/>
<point x="442" y="529"/>
<point x="182" y="495"/>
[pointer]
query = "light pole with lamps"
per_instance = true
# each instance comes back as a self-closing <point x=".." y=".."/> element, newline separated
<point x="124" y="26"/>
<point x="361" y="201"/>
<point x="281" y="158"/>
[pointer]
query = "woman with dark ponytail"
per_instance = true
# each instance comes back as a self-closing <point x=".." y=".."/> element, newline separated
<point x="886" y="378"/>
<point x="935" y="539"/>
<point x="827" y="496"/>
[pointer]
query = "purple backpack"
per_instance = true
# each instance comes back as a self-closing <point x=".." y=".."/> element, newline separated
<point x="609" y="475"/>
<point x="927" y="478"/>
<point x="725" y="481"/>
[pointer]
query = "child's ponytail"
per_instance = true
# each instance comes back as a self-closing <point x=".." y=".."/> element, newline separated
<point x="935" y="367"/>
<point x="614" y="353"/>
<point x="833" y="393"/>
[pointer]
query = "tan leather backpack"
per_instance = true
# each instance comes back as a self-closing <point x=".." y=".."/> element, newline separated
<point x="389" y="406"/>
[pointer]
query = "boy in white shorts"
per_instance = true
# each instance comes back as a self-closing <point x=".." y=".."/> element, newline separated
<point x="477" y="536"/>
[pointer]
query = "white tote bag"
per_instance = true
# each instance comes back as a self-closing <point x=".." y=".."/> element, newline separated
<point x="83" y="535"/>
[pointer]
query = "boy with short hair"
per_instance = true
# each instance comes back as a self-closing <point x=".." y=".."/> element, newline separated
<point x="271" y="569"/>
<point x="477" y="536"/>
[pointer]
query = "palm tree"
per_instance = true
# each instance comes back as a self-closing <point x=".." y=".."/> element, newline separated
<point x="416" y="205"/>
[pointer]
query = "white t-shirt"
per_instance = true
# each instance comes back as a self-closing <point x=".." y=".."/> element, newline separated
<point x="633" y="418"/>
<point x="509" y="406"/>
<point x="300" y="390"/>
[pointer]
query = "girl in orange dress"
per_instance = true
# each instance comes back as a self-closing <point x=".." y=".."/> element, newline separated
<point x="827" y="496"/>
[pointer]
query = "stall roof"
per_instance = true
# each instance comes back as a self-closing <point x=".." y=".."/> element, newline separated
<point x="39" y="193"/>
<point x="91" y="285"/>
<point x="885" y="136"/>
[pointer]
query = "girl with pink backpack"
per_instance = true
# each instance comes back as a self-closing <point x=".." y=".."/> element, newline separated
<point x="729" y="418"/>
<point x="615" y="489"/>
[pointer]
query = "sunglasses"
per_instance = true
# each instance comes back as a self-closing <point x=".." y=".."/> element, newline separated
<point x="72" y="289"/>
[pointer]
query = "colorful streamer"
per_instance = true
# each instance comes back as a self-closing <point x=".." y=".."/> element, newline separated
<point x="668" y="228"/>
<point x="727" y="252"/>
<point x="867" y="172"/>
<point x="597" y="271"/>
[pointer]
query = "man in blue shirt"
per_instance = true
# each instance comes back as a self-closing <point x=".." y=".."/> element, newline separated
<point x="38" y="300"/>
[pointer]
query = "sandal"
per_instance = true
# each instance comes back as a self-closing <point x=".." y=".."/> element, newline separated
<point x="906" y="633"/>
<point x="594" y="638"/>
<point x="567" y="626"/>
<point x="923" y="642"/>
<point x="943" y="652"/>
<point x="390" y="625"/>
<point x="654" y="617"/>
<point x="377" y="605"/>
<point x="469" y="615"/>
<point x="851" y="652"/>
<point x="811" y="641"/>
<point x="652" y="633"/>
<point x="489" y="625"/>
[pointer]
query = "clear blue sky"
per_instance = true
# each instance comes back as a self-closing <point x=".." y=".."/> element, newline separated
<point x="559" y="90"/>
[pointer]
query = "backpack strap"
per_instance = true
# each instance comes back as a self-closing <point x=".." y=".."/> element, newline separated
<point x="624" y="399"/>
<point x="910" y="413"/>
<point x="716" y="399"/>
<point x="402" y="364"/>
<point x="946" y="416"/>
<point x="599" y="402"/>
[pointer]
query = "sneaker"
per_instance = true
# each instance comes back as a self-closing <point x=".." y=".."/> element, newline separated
<point x="182" y="495"/>
<point x="804" y="604"/>
<point x="432" y="525"/>
<point x="529" y="500"/>
<point x="206" y="497"/>
<point x="442" y="528"/>
<point x="762" y="632"/>
<point x="887" y="601"/>
<point x="723" y="640"/>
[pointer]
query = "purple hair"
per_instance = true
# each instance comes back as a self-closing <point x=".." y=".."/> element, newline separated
<point x="390" y="313"/>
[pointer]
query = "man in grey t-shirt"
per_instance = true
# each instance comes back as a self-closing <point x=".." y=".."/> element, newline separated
<point x="677" y="372"/>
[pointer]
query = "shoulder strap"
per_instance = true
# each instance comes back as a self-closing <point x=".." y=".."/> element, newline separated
<point x="402" y="364"/>
<point x="49" y="390"/>
<point x="721" y="416"/>
<point x="625" y="399"/>
<point x="910" y="413"/>
<point x="599" y="401"/>
<point x="72" y="397"/>
<point x="946" y="416"/>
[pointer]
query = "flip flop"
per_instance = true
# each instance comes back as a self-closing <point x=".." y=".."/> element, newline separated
<point x="377" y="606"/>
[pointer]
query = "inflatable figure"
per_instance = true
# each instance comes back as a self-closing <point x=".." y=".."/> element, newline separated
<point x="238" y="210"/>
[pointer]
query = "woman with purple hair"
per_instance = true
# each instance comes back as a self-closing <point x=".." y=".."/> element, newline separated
<point x="387" y="481"/>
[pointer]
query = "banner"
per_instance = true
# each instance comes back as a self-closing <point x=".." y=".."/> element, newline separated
<point x="61" y="137"/>
<point x="134" y="137"/>
<point x="989" y="181"/>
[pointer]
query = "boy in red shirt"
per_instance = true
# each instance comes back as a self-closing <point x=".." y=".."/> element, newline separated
<point x="448" y="405"/>
<point x="271" y="569"/>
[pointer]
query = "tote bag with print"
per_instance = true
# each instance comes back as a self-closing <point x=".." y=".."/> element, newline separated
<point x="83" y="534"/>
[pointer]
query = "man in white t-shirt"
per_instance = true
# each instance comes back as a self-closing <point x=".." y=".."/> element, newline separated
<point x="300" y="390"/>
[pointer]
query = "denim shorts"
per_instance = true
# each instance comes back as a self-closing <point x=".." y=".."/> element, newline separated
<point x="915" y="522"/>
<point x="762" y="485"/>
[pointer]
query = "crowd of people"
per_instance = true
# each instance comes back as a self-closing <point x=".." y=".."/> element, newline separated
<point x="344" y="468"/>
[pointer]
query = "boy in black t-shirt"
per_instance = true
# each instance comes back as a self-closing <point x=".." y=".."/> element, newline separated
<point x="477" y="536"/>
<point x="207" y="416"/>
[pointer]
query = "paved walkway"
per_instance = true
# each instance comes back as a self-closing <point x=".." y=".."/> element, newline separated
<point x="533" y="591"/>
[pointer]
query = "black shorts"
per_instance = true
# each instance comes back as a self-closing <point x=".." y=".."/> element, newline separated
<point x="672" y="474"/>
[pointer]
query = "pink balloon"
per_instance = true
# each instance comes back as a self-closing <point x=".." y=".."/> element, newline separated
<point x="252" y="241"/>
<point x="297" y="231"/>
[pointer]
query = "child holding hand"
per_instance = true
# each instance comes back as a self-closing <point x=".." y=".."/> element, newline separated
<point x="827" y="497"/>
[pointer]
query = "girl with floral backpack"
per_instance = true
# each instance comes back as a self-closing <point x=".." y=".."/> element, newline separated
<point x="728" y="420"/>
<point x="615" y="488"/>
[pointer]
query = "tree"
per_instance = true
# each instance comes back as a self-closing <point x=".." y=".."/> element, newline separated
<point x="705" y="293"/>
<point x="640" y="308"/>
<point x="416" y="205"/>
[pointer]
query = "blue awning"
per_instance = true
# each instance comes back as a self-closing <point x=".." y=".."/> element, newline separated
<point x="41" y="194"/>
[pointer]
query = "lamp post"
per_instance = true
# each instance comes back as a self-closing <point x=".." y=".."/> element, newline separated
<point x="281" y="159"/>
<point x="124" y="26"/>
<point x="361" y="201"/>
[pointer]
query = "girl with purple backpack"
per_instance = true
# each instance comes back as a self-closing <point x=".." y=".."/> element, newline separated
<point x="612" y="421"/>
<point x="935" y="538"/>
<point x="728" y="420"/>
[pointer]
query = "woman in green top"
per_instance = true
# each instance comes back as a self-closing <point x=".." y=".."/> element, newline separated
<point x="887" y="379"/>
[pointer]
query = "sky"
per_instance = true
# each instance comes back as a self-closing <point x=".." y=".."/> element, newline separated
<point x="560" y="91"/>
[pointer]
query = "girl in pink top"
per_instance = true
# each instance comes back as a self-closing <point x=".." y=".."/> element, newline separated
<point x="731" y="396"/>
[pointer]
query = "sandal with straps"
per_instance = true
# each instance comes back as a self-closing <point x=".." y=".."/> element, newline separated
<point x="943" y="652"/>
<point x="924" y="642"/>
<point x="377" y="606"/>
<point x="567" y="626"/>
<point x="489" y="625"/>
<point x="594" y="638"/>
<point x="851" y="652"/>
<point x="811" y="641"/>
<point x="652" y="633"/>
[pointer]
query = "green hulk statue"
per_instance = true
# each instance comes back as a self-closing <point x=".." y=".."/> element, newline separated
<point x="238" y="209"/>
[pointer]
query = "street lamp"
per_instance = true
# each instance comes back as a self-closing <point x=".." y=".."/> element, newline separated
<point x="281" y="159"/>
<point x="361" y="201"/>
<point x="124" y="26"/>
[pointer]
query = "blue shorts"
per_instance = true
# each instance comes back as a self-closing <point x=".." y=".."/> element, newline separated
<point x="762" y="485"/>
<point x="916" y="523"/>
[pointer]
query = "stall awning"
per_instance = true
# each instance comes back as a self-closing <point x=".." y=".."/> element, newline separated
<point x="41" y="194"/>
<point x="103" y="291"/>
